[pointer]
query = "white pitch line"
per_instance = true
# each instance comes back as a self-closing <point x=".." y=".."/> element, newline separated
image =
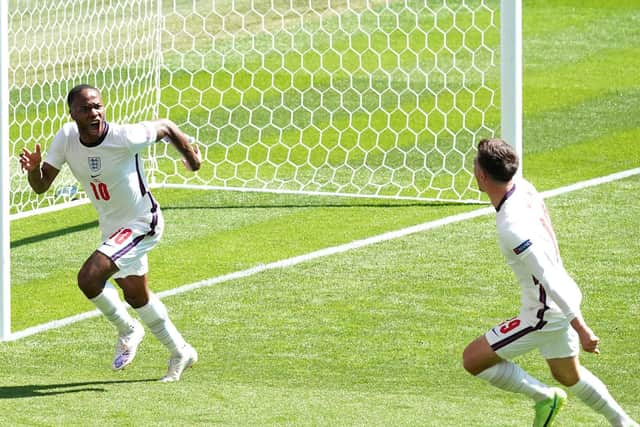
<point x="55" y="324"/>
<point x="591" y="183"/>
<point x="328" y="251"/>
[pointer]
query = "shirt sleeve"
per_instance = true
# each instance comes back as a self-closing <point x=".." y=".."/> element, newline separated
<point x="140" y="135"/>
<point x="55" y="153"/>
<point x="549" y="272"/>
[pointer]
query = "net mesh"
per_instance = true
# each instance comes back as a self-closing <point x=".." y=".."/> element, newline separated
<point x="359" y="97"/>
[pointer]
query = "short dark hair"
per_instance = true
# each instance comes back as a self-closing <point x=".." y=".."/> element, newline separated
<point x="498" y="159"/>
<point x="76" y="90"/>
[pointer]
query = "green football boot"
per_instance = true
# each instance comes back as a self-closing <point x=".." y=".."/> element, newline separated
<point x="547" y="410"/>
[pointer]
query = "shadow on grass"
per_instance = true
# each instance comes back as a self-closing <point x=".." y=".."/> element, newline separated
<point x="43" y="390"/>
<point x="169" y="206"/>
<point x="54" y="233"/>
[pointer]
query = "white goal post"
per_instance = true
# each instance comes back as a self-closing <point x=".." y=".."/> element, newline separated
<point x="356" y="98"/>
<point x="5" y="238"/>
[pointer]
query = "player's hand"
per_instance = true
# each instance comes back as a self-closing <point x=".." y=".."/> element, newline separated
<point x="196" y="159"/>
<point x="30" y="161"/>
<point x="589" y="340"/>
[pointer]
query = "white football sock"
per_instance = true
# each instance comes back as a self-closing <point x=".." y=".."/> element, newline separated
<point x="154" y="315"/>
<point x="110" y="304"/>
<point x="594" y="394"/>
<point x="510" y="377"/>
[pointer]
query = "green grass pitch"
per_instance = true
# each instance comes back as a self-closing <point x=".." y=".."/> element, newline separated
<point x="369" y="337"/>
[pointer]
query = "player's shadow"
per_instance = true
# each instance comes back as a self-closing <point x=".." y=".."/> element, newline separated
<point x="44" y="390"/>
<point x="52" y="234"/>
<point x="168" y="206"/>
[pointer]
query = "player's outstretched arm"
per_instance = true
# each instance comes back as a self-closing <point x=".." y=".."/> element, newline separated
<point x="40" y="178"/>
<point x="168" y="130"/>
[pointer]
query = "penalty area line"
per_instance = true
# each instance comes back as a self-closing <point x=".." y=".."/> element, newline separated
<point x="327" y="252"/>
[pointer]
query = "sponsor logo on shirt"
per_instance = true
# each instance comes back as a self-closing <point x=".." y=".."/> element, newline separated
<point x="522" y="247"/>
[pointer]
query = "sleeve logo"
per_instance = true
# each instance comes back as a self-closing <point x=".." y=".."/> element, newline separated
<point x="522" y="247"/>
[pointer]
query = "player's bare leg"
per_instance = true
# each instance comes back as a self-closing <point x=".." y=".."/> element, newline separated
<point x="92" y="281"/>
<point x="94" y="273"/>
<point x="479" y="356"/>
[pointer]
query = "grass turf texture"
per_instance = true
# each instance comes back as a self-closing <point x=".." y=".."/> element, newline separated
<point x="373" y="336"/>
<point x="369" y="337"/>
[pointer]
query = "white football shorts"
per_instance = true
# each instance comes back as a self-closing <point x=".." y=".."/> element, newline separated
<point x="514" y="337"/>
<point x="128" y="246"/>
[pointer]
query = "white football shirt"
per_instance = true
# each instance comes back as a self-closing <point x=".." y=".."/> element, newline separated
<point x="550" y="297"/>
<point x="111" y="172"/>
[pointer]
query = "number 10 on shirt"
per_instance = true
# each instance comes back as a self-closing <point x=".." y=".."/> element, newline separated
<point x="100" y="191"/>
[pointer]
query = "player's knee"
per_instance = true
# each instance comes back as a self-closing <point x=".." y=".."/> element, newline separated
<point x="88" y="284"/>
<point x="469" y="367"/>
<point x="478" y="356"/>
<point x="469" y="362"/>
<point x="566" y="378"/>
<point x="136" y="300"/>
<point x="91" y="278"/>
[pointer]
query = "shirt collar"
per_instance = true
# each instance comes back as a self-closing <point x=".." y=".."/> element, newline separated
<point x="102" y="137"/>
<point x="508" y="194"/>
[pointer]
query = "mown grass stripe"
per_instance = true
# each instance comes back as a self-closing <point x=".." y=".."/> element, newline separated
<point x="326" y="252"/>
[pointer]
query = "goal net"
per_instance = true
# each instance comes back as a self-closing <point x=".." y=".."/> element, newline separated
<point x="366" y="98"/>
<point x="55" y="45"/>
